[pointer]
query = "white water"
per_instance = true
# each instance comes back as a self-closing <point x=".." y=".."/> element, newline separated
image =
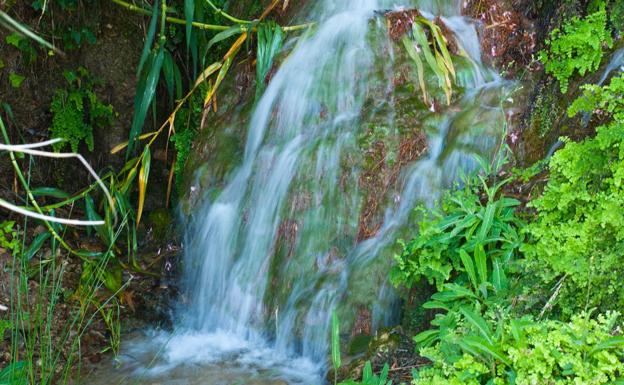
<point x="300" y="139"/>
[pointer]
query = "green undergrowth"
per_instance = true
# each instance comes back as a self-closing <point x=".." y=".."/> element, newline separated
<point x="528" y="293"/>
<point x="77" y="111"/>
<point x="578" y="47"/>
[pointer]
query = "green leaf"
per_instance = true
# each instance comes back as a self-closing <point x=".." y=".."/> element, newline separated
<point x="189" y="14"/>
<point x="488" y="218"/>
<point x="16" y="80"/>
<point x="479" y="346"/>
<point x="452" y="292"/>
<point x="611" y="343"/>
<point x="481" y="261"/>
<point x="426" y="338"/>
<point x="149" y="40"/>
<point x="335" y="341"/>
<point x="478" y="323"/>
<point x="168" y="73"/>
<point x="14" y="39"/>
<point x="36" y="244"/>
<point x="50" y="192"/>
<point x="144" y="97"/>
<point x="232" y="31"/>
<point x="367" y="373"/>
<point x="499" y="277"/>
<point x="469" y="266"/>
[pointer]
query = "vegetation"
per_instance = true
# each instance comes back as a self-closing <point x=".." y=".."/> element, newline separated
<point x="578" y="48"/>
<point x="525" y="286"/>
<point x="77" y="111"/>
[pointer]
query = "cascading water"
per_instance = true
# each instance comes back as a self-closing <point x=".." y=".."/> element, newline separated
<point x="259" y="308"/>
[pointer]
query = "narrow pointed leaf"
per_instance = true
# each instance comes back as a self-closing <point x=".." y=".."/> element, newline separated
<point x="143" y="177"/>
<point x="481" y="261"/>
<point x="469" y="267"/>
<point x="478" y="323"/>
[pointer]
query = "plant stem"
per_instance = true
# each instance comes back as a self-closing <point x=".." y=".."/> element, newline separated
<point x="208" y="27"/>
<point x="221" y="12"/>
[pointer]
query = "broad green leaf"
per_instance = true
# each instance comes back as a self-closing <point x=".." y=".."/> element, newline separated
<point x="469" y="266"/>
<point x="478" y="323"/>
<point x="426" y="338"/>
<point x="488" y="218"/>
<point x="367" y="373"/>
<point x="335" y="341"/>
<point x="611" y="343"/>
<point x="50" y="192"/>
<point x="36" y="244"/>
<point x="481" y="261"/>
<point x="474" y="344"/>
<point x="499" y="277"/>
<point x="453" y="292"/>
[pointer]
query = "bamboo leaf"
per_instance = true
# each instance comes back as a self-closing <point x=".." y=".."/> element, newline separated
<point x="235" y="30"/>
<point x="168" y="73"/>
<point x="50" y="192"/>
<point x="149" y="40"/>
<point x="189" y="14"/>
<point x="143" y="177"/>
<point x="211" y="69"/>
<point x="144" y="97"/>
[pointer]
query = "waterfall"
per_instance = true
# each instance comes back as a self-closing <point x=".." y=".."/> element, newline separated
<point x="250" y="305"/>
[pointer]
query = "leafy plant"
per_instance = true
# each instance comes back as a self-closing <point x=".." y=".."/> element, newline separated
<point x="368" y="377"/>
<point x="463" y="227"/>
<point x="16" y="80"/>
<point x="77" y="111"/>
<point x="9" y="239"/>
<point x="526" y="352"/>
<point x="578" y="48"/>
<point x="607" y="100"/>
<point x="434" y="52"/>
<point x="23" y="44"/>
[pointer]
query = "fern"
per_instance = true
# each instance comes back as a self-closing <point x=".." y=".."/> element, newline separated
<point x="76" y="111"/>
<point x="578" y="48"/>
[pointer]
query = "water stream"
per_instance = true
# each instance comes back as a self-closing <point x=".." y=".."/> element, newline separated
<point x="256" y="314"/>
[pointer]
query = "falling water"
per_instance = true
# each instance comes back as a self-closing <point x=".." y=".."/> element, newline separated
<point x="262" y="309"/>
